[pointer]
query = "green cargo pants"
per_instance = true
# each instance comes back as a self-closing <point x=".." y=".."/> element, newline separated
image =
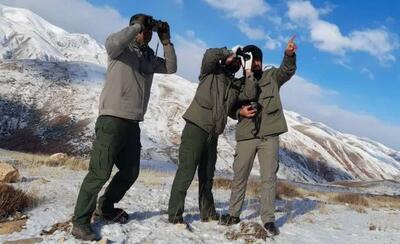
<point x="267" y="150"/>
<point x="196" y="151"/>
<point x="117" y="142"/>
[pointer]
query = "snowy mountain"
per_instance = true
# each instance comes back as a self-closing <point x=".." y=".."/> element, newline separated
<point x="25" y="35"/>
<point x="48" y="103"/>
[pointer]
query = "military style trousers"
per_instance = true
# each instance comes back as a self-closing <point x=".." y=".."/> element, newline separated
<point x="117" y="142"/>
<point x="267" y="150"/>
<point x="197" y="150"/>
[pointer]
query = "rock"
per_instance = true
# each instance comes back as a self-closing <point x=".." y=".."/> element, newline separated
<point x="251" y="232"/>
<point x="8" y="173"/>
<point x="59" y="157"/>
<point x="12" y="226"/>
<point x="103" y="241"/>
<point x="25" y="241"/>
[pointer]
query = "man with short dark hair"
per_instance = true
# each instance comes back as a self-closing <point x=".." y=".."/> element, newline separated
<point x="257" y="132"/>
<point x="123" y="104"/>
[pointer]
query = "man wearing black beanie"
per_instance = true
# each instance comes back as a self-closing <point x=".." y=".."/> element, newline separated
<point x="257" y="132"/>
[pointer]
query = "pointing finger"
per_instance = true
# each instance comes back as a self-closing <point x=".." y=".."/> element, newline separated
<point x="292" y="39"/>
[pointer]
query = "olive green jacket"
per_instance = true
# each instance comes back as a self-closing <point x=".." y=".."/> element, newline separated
<point x="217" y="93"/>
<point x="130" y="73"/>
<point x="270" y="119"/>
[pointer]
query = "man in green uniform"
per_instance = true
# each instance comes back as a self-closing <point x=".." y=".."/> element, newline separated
<point x="259" y="134"/>
<point x="217" y="93"/>
<point x="123" y="103"/>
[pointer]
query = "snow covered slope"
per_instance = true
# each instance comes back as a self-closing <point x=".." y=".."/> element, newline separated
<point x="25" y="35"/>
<point x="51" y="106"/>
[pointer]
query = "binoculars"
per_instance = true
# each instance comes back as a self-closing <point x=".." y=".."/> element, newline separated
<point x="241" y="53"/>
<point x="255" y="106"/>
<point x="155" y="25"/>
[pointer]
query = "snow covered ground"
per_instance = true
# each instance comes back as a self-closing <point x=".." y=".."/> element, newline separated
<point x="300" y="220"/>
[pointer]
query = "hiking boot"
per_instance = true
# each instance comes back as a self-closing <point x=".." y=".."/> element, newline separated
<point x="214" y="217"/>
<point x="115" y="215"/>
<point x="228" y="220"/>
<point x="84" y="233"/>
<point x="176" y="220"/>
<point x="271" y="229"/>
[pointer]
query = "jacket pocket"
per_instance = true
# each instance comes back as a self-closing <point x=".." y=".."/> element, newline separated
<point x="244" y="128"/>
<point x="109" y="126"/>
<point x="270" y="105"/>
<point x="204" y="103"/>
<point x="100" y="160"/>
<point x="203" y="96"/>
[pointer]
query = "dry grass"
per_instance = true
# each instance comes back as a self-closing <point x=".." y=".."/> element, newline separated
<point x="351" y="198"/>
<point x="287" y="190"/>
<point x="13" y="200"/>
<point x="151" y="178"/>
<point x="222" y="183"/>
<point x="392" y="202"/>
<point x="283" y="189"/>
<point x="36" y="160"/>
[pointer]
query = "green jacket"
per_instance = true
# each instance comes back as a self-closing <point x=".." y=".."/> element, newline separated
<point x="130" y="72"/>
<point x="217" y="93"/>
<point x="270" y="119"/>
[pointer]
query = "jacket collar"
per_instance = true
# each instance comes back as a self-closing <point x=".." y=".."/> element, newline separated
<point x="140" y="50"/>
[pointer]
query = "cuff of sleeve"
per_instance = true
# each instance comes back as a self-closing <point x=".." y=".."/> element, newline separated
<point x="227" y="52"/>
<point x="169" y="43"/>
<point x="137" y="27"/>
<point x="290" y="57"/>
<point x="238" y="114"/>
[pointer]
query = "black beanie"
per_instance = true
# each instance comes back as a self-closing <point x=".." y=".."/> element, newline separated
<point x="137" y="18"/>
<point x="255" y="51"/>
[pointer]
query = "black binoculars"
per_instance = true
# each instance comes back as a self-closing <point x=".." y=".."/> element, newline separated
<point x="241" y="53"/>
<point x="255" y="106"/>
<point x="155" y="25"/>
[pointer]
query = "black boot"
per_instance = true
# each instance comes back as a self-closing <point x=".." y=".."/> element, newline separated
<point x="176" y="220"/>
<point x="84" y="233"/>
<point x="114" y="215"/>
<point x="214" y="217"/>
<point x="228" y="220"/>
<point x="271" y="229"/>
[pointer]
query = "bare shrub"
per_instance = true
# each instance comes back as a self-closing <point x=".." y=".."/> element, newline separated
<point x="36" y="160"/>
<point x="222" y="183"/>
<point x="13" y="200"/>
